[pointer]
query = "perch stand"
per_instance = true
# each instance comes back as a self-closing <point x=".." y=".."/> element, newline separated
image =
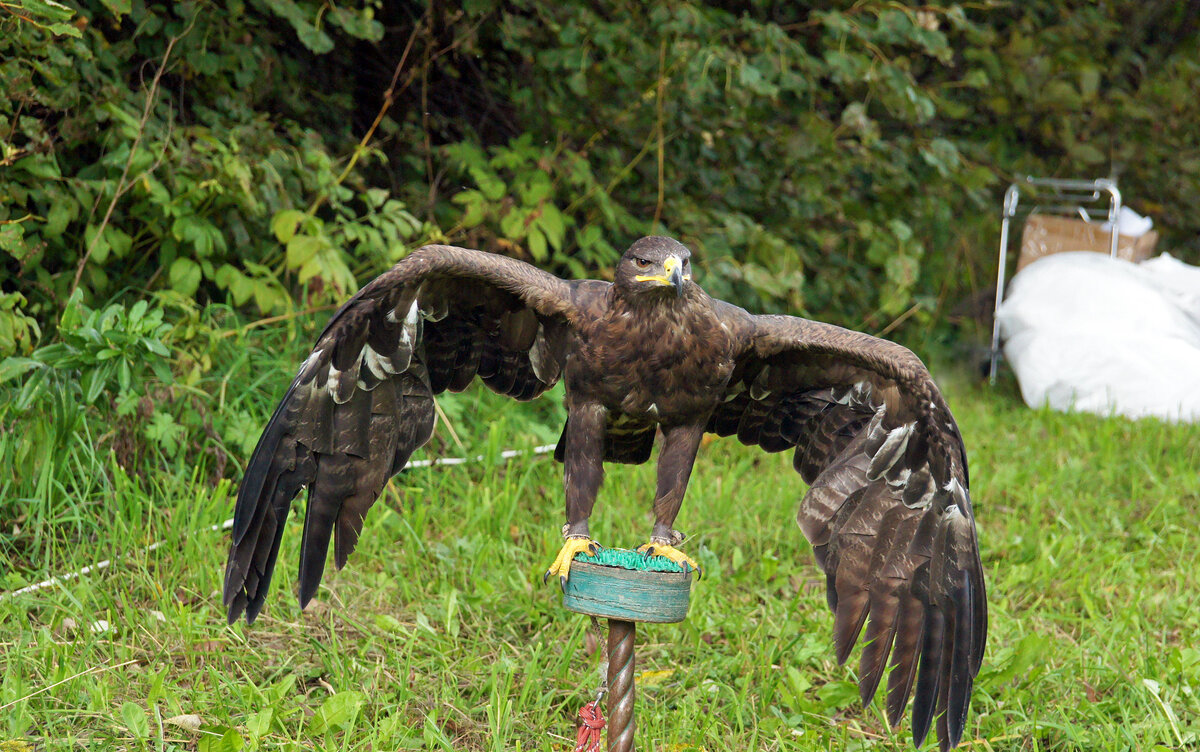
<point x="625" y="588"/>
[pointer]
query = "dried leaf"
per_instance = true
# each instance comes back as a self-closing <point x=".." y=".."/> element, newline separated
<point x="189" y="721"/>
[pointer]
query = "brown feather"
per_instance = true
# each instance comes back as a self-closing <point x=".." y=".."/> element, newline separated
<point x="343" y="438"/>
<point x="887" y="511"/>
<point x="876" y="443"/>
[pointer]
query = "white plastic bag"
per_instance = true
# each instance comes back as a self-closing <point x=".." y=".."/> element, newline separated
<point x="1087" y="332"/>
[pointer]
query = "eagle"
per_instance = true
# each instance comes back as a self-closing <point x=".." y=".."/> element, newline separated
<point x="887" y="512"/>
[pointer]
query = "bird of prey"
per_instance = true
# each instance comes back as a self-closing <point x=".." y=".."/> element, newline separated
<point x="887" y="512"/>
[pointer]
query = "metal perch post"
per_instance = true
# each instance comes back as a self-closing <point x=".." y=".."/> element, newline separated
<point x="621" y="690"/>
<point x="625" y="597"/>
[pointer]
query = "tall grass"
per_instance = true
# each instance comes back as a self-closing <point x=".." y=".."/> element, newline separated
<point x="440" y="635"/>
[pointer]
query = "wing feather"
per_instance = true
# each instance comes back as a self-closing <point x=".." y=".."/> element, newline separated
<point x="362" y="402"/>
<point x="887" y="511"/>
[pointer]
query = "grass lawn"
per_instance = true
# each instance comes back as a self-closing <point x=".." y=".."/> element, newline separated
<point x="440" y="635"/>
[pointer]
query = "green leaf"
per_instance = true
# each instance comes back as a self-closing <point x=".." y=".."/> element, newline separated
<point x="285" y="224"/>
<point x="489" y="183"/>
<point x="230" y="741"/>
<point x="942" y="155"/>
<point x="838" y="694"/>
<point x="259" y="724"/>
<point x="117" y="7"/>
<point x="62" y="211"/>
<point x="387" y="622"/>
<point x="512" y="224"/>
<point x="900" y="230"/>
<point x="33" y="389"/>
<point x="588" y="236"/>
<point x="537" y="244"/>
<point x="375" y="197"/>
<point x="554" y="224"/>
<point x="135" y="720"/>
<point x="124" y="376"/>
<point x="164" y="431"/>
<point x="1060" y="95"/>
<point x="976" y="78"/>
<point x="475" y="209"/>
<point x="467" y="154"/>
<point x="12" y="240"/>
<point x="301" y="249"/>
<point x="184" y="276"/>
<point x="314" y="39"/>
<point x="537" y="190"/>
<point x="137" y="312"/>
<point x="11" y="368"/>
<point x="47" y="9"/>
<point x="301" y="18"/>
<point x="40" y="166"/>
<point x="98" y="242"/>
<point x="62" y="29"/>
<point x="337" y="713"/>
<point x="93" y="382"/>
<point x="359" y="24"/>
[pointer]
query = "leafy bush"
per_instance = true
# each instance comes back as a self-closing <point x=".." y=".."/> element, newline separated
<point x="176" y="181"/>
<point x="843" y="162"/>
<point x="18" y="330"/>
<point x="533" y="203"/>
<point x="100" y="350"/>
<point x="166" y="171"/>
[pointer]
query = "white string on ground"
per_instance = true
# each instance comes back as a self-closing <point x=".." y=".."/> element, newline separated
<point x="57" y="580"/>
<point x="507" y="454"/>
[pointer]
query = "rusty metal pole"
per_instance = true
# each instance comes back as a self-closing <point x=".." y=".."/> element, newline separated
<point x="621" y="721"/>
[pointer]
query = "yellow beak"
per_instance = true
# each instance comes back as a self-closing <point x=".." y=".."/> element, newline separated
<point x="672" y="275"/>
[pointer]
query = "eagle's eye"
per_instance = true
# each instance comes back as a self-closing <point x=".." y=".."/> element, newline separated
<point x="641" y="262"/>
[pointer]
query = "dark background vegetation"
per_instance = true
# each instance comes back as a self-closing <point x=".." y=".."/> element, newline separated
<point x="174" y="173"/>
<point x="187" y="189"/>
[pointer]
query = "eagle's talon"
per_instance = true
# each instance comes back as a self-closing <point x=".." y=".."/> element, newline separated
<point x="562" y="563"/>
<point x="672" y="553"/>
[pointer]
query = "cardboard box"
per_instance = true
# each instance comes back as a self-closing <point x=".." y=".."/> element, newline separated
<point x="1045" y="234"/>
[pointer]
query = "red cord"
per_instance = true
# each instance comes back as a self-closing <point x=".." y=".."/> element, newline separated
<point x="591" y="724"/>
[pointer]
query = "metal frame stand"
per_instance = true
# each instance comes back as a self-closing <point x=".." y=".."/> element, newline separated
<point x="1069" y="197"/>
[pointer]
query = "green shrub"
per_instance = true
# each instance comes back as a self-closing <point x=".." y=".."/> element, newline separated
<point x="167" y="171"/>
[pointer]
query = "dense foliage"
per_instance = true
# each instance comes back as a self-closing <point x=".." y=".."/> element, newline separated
<point x="187" y="189"/>
<point x="167" y="168"/>
<point x="841" y="162"/>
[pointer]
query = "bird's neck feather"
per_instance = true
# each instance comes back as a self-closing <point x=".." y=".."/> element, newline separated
<point x="662" y="301"/>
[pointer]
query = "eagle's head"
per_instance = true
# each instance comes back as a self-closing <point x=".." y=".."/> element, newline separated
<point x="653" y="265"/>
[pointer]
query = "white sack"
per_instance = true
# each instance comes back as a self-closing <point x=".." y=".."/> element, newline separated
<point x="1087" y="332"/>
<point x="1130" y="223"/>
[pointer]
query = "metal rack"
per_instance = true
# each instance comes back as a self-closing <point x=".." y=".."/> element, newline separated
<point x="1073" y="197"/>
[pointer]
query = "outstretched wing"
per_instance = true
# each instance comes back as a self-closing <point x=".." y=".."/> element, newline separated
<point x="362" y="402"/>
<point x="887" y="511"/>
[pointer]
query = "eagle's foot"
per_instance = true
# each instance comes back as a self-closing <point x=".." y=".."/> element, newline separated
<point x="666" y="550"/>
<point x="575" y="544"/>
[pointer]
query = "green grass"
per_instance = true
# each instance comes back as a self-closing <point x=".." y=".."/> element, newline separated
<point x="440" y="635"/>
